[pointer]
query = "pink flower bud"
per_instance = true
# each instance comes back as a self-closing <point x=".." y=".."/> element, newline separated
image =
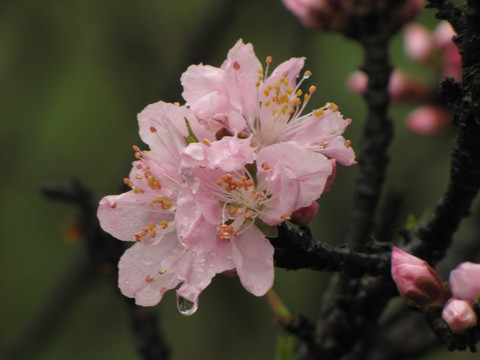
<point x="305" y="215"/>
<point x="465" y="281"/>
<point x="411" y="8"/>
<point x="403" y="87"/>
<point x="419" y="43"/>
<point x="357" y="82"/>
<point x="459" y="315"/>
<point x="416" y="281"/>
<point x="428" y="120"/>
<point x="319" y="14"/>
<point x="443" y="35"/>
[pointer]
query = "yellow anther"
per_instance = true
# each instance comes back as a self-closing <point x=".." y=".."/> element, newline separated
<point x="332" y="106"/>
<point x="289" y="90"/>
<point x="299" y="92"/>
<point x="312" y="89"/>
<point x="318" y="112"/>
<point x="307" y="73"/>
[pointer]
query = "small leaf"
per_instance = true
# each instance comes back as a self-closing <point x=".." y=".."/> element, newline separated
<point x="413" y="222"/>
<point x="191" y="138"/>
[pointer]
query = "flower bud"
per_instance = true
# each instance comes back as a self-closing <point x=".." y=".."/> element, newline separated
<point x="419" y="43"/>
<point x="305" y="215"/>
<point x="459" y="315"/>
<point x="319" y="14"/>
<point x="465" y="281"/>
<point x="417" y="282"/>
<point x="428" y="120"/>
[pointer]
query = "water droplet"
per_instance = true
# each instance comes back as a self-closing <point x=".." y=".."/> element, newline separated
<point x="147" y="262"/>
<point x="186" y="307"/>
<point x="306" y="76"/>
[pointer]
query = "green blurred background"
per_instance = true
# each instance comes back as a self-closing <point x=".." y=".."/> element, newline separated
<point x="74" y="74"/>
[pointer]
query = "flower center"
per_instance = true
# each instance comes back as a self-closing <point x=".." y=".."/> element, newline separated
<point x="281" y="106"/>
<point x="242" y="204"/>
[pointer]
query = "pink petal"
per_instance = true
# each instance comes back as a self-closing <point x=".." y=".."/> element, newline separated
<point x="201" y="80"/>
<point x="289" y="162"/>
<point x="139" y="275"/>
<point x="465" y="281"/>
<point x="340" y="150"/>
<point x="196" y="270"/>
<point x="124" y="215"/>
<point x="241" y="74"/>
<point x="291" y="68"/>
<point x="253" y="257"/>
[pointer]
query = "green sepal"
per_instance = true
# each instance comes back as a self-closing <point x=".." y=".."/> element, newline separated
<point x="191" y="138"/>
<point x="267" y="230"/>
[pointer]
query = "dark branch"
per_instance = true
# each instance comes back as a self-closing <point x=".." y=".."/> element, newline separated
<point x="296" y="249"/>
<point x="433" y="237"/>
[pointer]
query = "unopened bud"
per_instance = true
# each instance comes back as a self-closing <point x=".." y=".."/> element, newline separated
<point x="417" y="282"/>
<point x="459" y="315"/>
<point x="305" y="215"/>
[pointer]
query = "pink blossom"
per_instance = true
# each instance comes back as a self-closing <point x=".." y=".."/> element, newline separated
<point x="427" y="120"/>
<point x="417" y="282"/>
<point x="465" y="281"/>
<point x="459" y="315"/>
<point x="221" y="173"/>
<point x="267" y="107"/>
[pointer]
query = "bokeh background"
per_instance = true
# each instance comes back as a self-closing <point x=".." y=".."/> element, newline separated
<point x="73" y="76"/>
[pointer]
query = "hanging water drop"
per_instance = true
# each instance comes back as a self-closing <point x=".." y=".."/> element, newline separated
<point x="186" y="307"/>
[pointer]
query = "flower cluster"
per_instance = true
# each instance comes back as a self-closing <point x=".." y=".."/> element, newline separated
<point x="432" y="50"/>
<point x="420" y="285"/>
<point x="223" y="170"/>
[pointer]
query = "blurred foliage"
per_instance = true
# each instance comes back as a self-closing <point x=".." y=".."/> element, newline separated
<point x="74" y="75"/>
